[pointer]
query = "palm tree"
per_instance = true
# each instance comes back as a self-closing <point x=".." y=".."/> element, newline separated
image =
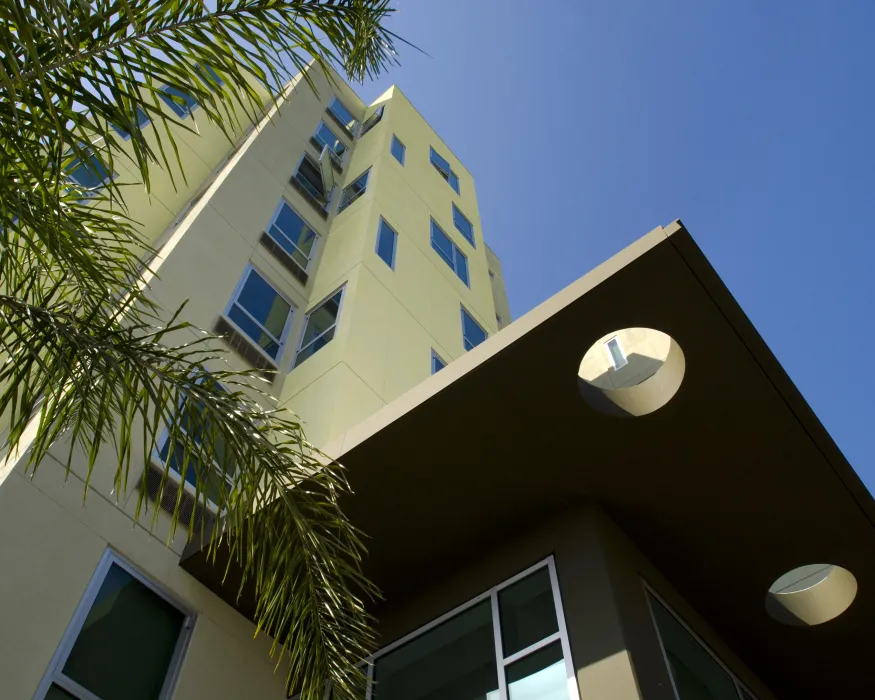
<point x="86" y="354"/>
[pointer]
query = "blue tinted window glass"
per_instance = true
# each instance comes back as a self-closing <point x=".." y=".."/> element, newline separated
<point x="472" y="333"/>
<point x="261" y="313"/>
<point x="142" y="120"/>
<point x="462" y="267"/>
<point x="326" y="137"/>
<point x="320" y="326"/>
<point x="398" y="150"/>
<point x="342" y="113"/>
<point x="463" y="225"/>
<point x="90" y="175"/>
<point x="180" y="102"/>
<point x="440" y="163"/>
<point x="209" y="74"/>
<point x="437" y="364"/>
<point x="354" y="191"/>
<point x="454" y="182"/>
<point x="386" y="241"/>
<point x="295" y="236"/>
<point x="442" y="245"/>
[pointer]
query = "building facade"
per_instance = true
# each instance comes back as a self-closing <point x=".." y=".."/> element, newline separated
<point x="591" y="504"/>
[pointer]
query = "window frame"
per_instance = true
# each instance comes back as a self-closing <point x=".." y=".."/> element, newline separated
<point x="457" y="252"/>
<point x="614" y="366"/>
<point x="337" y="157"/>
<point x="270" y="224"/>
<point x="92" y="154"/>
<point x="290" y="317"/>
<point x="485" y="332"/>
<point x="174" y="107"/>
<point x="501" y="662"/>
<point x="435" y="356"/>
<point x="395" y="140"/>
<point x="54" y="673"/>
<point x="380" y="226"/>
<point x="329" y="196"/>
<point x="316" y="307"/>
<point x="125" y="135"/>
<point x="349" y="127"/>
<point x="341" y="206"/>
<point x="372" y="121"/>
<point x="473" y="239"/>
<point x="449" y="176"/>
<point x="651" y="595"/>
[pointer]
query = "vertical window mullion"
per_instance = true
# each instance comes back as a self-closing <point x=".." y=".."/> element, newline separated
<point x="571" y="674"/>
<point x="499" y="652"/>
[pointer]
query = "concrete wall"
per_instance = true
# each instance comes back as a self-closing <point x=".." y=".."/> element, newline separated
<point x="645" y="350"/>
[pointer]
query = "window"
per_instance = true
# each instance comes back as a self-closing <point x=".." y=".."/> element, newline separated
<point x="126" y="640"/>
<point x="342" y="115"/>
<point x="353" y="191"/>
<point x="293" y="235"/>
<point x="449" y="251"/>
<point x="261" y="313"/>
<point x="193" y="423"/>
<point x="372" y="121"/>
<point x="208" y="75"/>
<point x="491" y="275"/>
<point x="308" y="181"/>
<point x="442" y="165"/>
<point x="180" y="102"/>
<point x="90" y="174"/>
<point x="142" y="121"/>
<point x="618" y="357"/>
<point x="398" y="149"/>
<point x="509" y="642"/>
<point x="326" y="137"/>
<point x="387" y="241"/>
<point x="472" y="332"/>
<point x="463" y="225"/>
<point x="437" y="363"/>
<point x="320" y="326"/>
<point x="694" y="669"/>
<point x="498" y="319"/>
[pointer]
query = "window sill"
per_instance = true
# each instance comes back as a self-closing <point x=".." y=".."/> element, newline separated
<point x="340" y="124"/>
<point x="286" y="260"/>
<point x="151" y="480"/>
<point x="245" y="348"/>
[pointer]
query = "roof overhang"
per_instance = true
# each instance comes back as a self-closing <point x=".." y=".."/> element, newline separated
<point x="730" y="484"/>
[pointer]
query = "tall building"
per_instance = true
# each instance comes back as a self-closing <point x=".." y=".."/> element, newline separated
<point x="620" y="495"/>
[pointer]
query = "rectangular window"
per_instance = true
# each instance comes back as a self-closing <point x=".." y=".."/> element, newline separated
<point x="90" y="174"/>
<point x="353" y="191"/>
<point x="342" y="115"/>
<point x="320" y="326"/>
<point x="398" y="149"/>
<point x="209" y="76"/>
<point x="694" y="669"/>
<point x="449" y="251"/>
<point x="509" y="642"/>
<point x="618" y="357"/>
<point x="387" y="241"/>
<point x="293" y="235"/>
<point x="472" y="332"/>
<point x="437" y="363"/>
<point x="126" y="640"/>
<point x="261" y="313"/>
<point x="309" y="178"/>
<point x="372" y="121"/>
<point x="442" y="165"/>
<point x="326" y="137"/>
<point x="193" y="423"/>
<point x="142" y="121"/>
<point x="180" y="102"/>
<point x="463" y="225"/>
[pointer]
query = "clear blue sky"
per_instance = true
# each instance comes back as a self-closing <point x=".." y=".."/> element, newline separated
<point x="587" y="123"/>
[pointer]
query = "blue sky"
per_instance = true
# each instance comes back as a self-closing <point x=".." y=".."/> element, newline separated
<point x="586" y="124"/>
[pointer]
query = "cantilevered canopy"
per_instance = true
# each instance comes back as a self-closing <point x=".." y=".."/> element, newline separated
<point x="729" y="484"/>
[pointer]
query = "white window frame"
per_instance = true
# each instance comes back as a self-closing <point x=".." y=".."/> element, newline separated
<point x="473" y="239"/>
<point x="175" y="475"/>
<point x="290" y="319"/>
<point x="403" y="149"/>
<point x="341" y="207"/>
<point x="316" y="307"/>
<point x="355" y="122"/>
<point x="382" y="222"/>
<point x="616" y="341"/>
<point x="447" y="176"/>
<point x="54" y="674"/>
<point x="501" y="662"/>
<point x="329" y="196"/>
<point x="334" y="154"/>
<point x="650" y="594"/>
<point x="464" y="338"/>
<point x="457" y="252"/>
<point x="370" y="122"/>
<point x="435" y="356"/>
<point x="273" y="218"/>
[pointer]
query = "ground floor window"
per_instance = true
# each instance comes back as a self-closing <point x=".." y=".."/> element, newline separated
<point x="125" y="641"/>
<point x="696" y="672"/>
<point x="507" y="644"/>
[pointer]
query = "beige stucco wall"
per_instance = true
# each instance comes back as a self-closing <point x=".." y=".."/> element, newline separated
<point x="645" y="350"/>
<point x="499" y="291"/>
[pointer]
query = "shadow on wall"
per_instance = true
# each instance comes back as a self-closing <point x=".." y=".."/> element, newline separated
<point x="637" y="369"/>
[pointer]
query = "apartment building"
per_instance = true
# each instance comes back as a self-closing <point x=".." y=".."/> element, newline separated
<point x="620" y="495"/>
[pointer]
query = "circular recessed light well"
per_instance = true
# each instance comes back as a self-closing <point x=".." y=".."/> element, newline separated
<point x="631" y="372"/>
<point x="811" y="595"/>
